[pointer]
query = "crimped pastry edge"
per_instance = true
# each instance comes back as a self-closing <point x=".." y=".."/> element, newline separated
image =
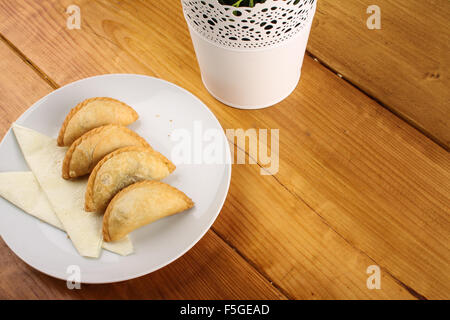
<point x="89" y="196"/>
<point x="80" y="106"/>
<point x="105" y="224"/>
<point x="71" y="150"/>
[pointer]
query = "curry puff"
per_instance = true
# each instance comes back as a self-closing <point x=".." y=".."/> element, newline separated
<point x="93" y="113"/>
<point x="140" y="204"/>
<point x="89" y="149"/>
<point x="120" y="169"/>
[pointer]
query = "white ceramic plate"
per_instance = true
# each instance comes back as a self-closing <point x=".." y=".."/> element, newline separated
<point x="163" y="108"/>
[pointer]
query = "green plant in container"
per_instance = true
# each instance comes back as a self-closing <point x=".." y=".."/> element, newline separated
<point x="241" y="3"/>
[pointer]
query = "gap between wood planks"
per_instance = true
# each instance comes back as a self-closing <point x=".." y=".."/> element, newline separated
<point x="382" y="104"/>
<point x="413" y="292"/>
<point x="30" y="63"/>
<point x="277" y="287"/>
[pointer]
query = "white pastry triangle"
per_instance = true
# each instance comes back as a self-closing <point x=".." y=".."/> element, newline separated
<point x="13" y="186"/>
<point x="22" y="190"/>
<point x="45" y="159"/>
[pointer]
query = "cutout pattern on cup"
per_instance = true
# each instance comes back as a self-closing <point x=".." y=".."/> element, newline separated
<point x="264" y="25"/>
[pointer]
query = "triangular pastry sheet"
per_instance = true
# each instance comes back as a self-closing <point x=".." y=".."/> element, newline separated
<point x="23" y="190"/>
<point x="45" y="159"/>
<point x="13" y="187"/>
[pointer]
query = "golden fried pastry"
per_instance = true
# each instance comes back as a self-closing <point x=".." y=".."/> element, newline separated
<point x="140" y="204"/>
<point x="93" y="113"/>
<point x="120" y="169"/>
<point x="90" y="148"/>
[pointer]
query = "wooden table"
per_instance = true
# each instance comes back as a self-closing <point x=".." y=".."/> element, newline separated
<point x="364" y="173"/>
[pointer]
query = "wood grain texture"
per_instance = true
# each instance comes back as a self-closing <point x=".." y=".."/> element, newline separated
<point x="293" y="245"/>
<point x="405" y="65"/>
<point x="356" y="186"/>
<point x="211" y="270"/>
<point x="17" y="89"/>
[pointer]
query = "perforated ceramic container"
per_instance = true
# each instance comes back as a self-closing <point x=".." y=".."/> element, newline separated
<point x="250" y="58"/>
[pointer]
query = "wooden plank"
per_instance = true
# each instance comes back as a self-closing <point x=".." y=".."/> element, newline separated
<point x="211" y="270"/>
<point x="17" y="89"/>
<point x="293" y="245"/>
<point x="330" y="133"/>
<point x="378" y="182"/>
<point x="405" y="65"/>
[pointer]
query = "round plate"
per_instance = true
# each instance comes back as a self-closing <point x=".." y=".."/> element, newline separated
<point x="164" y="109"/>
